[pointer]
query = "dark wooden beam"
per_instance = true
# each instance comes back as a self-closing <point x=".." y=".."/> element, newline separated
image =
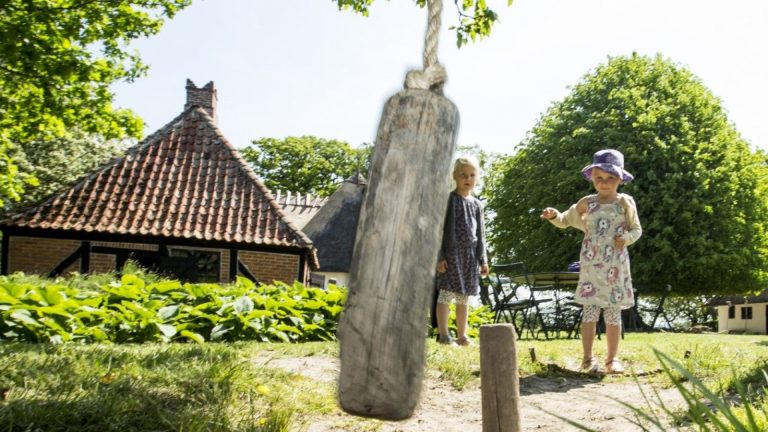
<point x="66" y="262"/>
<point x="303" y="268"/>
<point x="85" y="257"/>
<point x="246" y="272"/>
<point x="233" y="261"/>
<point x="4" y="253"/>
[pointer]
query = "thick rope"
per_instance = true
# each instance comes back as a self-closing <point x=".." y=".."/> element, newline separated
<point x="433" y="76"/>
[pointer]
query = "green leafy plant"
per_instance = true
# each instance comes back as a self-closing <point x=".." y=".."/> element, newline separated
<point x="138" y="308"/>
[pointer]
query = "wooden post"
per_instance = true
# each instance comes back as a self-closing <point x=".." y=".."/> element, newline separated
<point x="382" y="331"/>
<point x="499" y="381"/>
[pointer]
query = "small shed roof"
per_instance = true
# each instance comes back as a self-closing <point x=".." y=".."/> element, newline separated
<point x="739" y="299"/>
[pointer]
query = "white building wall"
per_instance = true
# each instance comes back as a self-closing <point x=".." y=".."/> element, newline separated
<point x="755" y="325"/>
<point x="342" y="279"/>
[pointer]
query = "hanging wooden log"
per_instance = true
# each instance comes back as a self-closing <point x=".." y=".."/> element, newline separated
<point x="383" y="328"/>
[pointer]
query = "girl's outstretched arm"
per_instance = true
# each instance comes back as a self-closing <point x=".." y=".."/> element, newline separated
<point x="569" y="218"/>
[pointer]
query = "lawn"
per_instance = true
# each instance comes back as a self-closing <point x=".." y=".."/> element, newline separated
<point x="220" y="386"/>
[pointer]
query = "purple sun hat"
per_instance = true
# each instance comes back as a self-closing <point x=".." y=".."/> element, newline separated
<point x="611" y="161"/>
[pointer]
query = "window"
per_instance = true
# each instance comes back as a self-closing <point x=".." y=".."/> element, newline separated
<point x="746" y="312"/>
<point x="731" y="312"/>
<point x="191" y="265"/>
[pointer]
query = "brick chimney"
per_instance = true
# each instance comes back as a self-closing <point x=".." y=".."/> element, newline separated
<point x="204" y="97"/>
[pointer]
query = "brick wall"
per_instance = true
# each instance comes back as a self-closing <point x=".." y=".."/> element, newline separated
<point x="35" y="255"/>
<point x="268" y="267"/>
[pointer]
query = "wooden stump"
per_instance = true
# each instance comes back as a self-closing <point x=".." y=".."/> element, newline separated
<point x="383" y="329"/>
<point x="499" y="381"/>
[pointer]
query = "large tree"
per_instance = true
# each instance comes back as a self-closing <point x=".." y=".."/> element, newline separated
<point x="57" y="61"/>
<point x="475" y="17"/>
<point x="700" y="189"/>
<point x="59" y="163"/>
<point x="306" y="164"/>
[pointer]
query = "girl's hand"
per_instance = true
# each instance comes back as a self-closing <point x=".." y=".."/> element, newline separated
<point x="442" y="266"/>
<point x="484" y="269"/>
<point x="619" y="242"/>
<point x="549" y="213"/>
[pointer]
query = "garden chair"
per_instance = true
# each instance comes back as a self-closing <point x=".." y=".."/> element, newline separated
<point x="658" y="311"/>
<point x="521" y="296"/>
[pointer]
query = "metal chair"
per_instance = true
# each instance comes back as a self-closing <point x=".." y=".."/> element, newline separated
<point x="504" y="305"/>
<point x="658" y="311"/>
<point x="515" y="277"/>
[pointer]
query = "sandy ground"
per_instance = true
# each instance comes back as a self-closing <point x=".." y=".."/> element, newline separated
<point x="590" y="401"/>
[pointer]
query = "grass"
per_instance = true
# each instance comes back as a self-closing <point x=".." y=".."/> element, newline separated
<point x="222" y="387"/>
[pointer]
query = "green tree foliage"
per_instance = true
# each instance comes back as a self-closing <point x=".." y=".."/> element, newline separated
<point x="700" y="190"/>
<point x="58" y="163"/>
<point x="57" y="61"/>
<point x="475" y="17"/>
<point x="307" y="163"/>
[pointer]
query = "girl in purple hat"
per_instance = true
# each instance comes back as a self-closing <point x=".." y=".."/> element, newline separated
<point x="610" y="223"/>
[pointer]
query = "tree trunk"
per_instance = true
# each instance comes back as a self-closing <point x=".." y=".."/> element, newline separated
<point x="383" y="328"/>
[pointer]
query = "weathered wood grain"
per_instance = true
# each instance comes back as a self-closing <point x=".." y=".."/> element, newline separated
<point x="499" y="381"/>
<point x="383" y="327"/>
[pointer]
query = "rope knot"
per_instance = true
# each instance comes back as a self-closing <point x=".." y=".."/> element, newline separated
<point x="432" y="78"/>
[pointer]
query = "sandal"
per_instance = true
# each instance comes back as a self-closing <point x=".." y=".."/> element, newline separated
<point x="614" y="366"/>
<point x="445" y="340"/>
<point x="464" y="341"/>
<point x="590" y="365"/>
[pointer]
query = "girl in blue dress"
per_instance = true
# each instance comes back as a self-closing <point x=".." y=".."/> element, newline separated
<point x="462" y="256"/>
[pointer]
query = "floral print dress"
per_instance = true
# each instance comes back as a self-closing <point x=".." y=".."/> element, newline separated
<point x="605" y="278"/>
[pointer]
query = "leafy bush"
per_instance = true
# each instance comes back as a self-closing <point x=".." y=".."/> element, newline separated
<point x="140" y="308"/>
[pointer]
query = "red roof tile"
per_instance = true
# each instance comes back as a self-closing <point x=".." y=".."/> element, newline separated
<point x="184" y="181"/>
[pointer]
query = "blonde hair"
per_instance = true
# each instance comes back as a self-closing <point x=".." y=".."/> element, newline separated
<point x="469" y="160"/>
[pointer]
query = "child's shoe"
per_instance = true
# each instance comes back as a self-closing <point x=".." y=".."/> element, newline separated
<point x="614" y="366"/>
<point x="447" y="340"/>
<point x="590" y="365"/>
<point x="465" y="341"/>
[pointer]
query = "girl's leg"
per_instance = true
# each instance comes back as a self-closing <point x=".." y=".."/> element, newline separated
<point x="443" y="311"/>
<point x="613" y="335"/>
<point x="590" y="315"/>
<point x="462" y="311"/>
<point x="588" y="331"/>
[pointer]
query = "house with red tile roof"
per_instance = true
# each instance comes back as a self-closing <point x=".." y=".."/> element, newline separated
<point x="183" y="202"/>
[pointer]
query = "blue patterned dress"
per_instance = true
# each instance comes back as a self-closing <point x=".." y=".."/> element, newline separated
<point x="463" y="245"/>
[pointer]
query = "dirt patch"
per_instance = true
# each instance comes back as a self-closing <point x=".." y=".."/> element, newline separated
<point x="592" y="402"/>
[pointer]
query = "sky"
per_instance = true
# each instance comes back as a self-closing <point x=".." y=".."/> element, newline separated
<point x="302" y="67"/>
